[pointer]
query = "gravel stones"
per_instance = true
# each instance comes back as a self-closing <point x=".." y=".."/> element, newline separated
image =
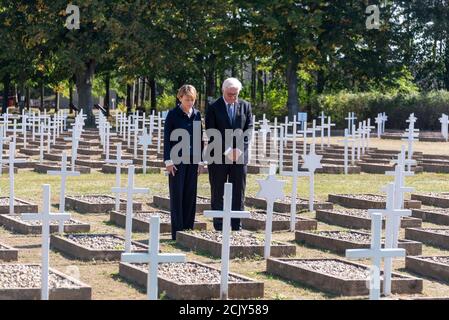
<point x="189" y="273"/>
<point x="97" y="199"/>
<point x="29" y="276"/>
<point x="368" y="197"/>
<point x="346" y="236"/>
<point x="438" y="259"/>
<point x="146" y="215"/>
<point x="262" y="216"/>
<point x="39" y="223"/>
<point x="5" y="202"/>
<point x="335" y="268"/>
<point x="444" y="232"/>
<point x="238" y="238"/>
<point x="100" y="242"/>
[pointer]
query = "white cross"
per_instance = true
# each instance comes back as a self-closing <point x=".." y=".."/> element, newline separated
<point x="159" y="129"/>
<point x="145" y="140"/>
<point x="351" y="118"/>
<point x="64" y="174"/>
<point x="153" y="258"/>
<point x="379" y="121"/>
<point x="46" y="217"/>
<point x="347" y="139"/>
<point x="295" y="173"/>
<point x="312" y="162"/>
<point x="227" y="214"/>
<point x="411" y="136"/>
<point x="445" y="126"/>
<point x="271" y="189"/>
<point x="11" y="162"/>
<point x="376" y="254"/>
<point x="393" y="217"/>
<point x="118" y="170"/>
<point x="384" y="121"/>
<point x="130" y="190"/>
<point x="3" y="139"/>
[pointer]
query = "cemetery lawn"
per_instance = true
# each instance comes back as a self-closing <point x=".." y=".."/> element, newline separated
<point x="104" y="278"/>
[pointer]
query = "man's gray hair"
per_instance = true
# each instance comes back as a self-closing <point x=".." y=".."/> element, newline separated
<point x="232" y="83"/>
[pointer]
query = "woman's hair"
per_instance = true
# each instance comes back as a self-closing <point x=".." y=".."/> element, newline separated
<point x="187" y="90"/>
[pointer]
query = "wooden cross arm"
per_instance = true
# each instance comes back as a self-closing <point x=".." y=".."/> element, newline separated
<point x="171" y="258"/>
<point x="119" y="162"/>
<point x="136" y="257"/>
<point x="398" y="212"/>
<point x="234" y="214"/>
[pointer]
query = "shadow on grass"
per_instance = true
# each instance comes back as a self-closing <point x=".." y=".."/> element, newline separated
<point x="117" y="277"/>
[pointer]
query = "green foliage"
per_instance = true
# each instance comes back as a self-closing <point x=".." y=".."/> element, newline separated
<point x="427" y="107"/>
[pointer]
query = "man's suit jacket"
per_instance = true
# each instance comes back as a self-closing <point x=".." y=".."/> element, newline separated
<point x="217" y="118"/>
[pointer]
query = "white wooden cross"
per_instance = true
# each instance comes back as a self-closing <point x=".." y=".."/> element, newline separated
<point x="264" y="129"/>
<point x="153" y="258"/>
<point x="399" y="173"/>
<point x="384" y="121"/>
<point x="445" y="126"/>
<point x="145" y="140"/>
<point x="130" y="191"/>
<point x="393" y="217"/>
<point x="118" y="171"/>
<point x="295" y="173"/>
<point x="3" y="139"/>
<point x="11" y="161"/>
<point x="411" y="136"/>
<point x="379" y="121"/>
<point x="159" y="130"/>
<point x="351" y="118"/>
<point x="376" y="254"/>
<point x="322" y="127"/>
<point x="226" y="214"/>
<point x="347" y="139"/>
<point x="312" y="162"/>
<point x="64" y="174"/>
<point x="46" y="217"/>
<point x="271" y="189"/>
<point x="356" y="137"/>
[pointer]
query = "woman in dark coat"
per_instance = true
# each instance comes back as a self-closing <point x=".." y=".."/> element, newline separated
<point x="184" y="123"/>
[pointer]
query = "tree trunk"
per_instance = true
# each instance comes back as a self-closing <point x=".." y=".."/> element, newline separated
<point x="27" y="98"/>
<point x="84" y="82"/>
<point x="210" y="78"/>
<point x="129" y="92"/>
<point x="292" y="86"/>
<point x="142" y="93"/>
<point x="446" y="63"/>
<point x="56" y="101"/>
<point x="137" y="95"/>
<point x="153" y="94"/>
<point x="71" y="97"/>
<point x="6" y="83"/>
<point x="253" y="82"/>
<point x="107" y="99"/>
<point x="320" y="82"/>
<point x="260" y="86"/>
<point x="42" y="97"/>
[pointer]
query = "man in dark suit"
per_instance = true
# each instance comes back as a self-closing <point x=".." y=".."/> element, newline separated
<point x="232" y="120"/>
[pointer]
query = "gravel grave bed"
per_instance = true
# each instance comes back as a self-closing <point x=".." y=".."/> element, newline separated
<point x="146" y="215"/>
<point x="439" y="231"/>
<point x="369" y="197"/>
<point x="361" y="213"/>
<point x="201" y="200"/>
<point x="262" y="216"/>
<point x="100" y="242"/>
<point x="288" y="200"/>
<point x="39" y="223"/>
<point x="346" y="236"/>
<point x="97" y="199"/>
<point x="443" y="260"/>
<point x="443" y="195"/>
<point x="335" y="268"/>
<point x="238" y="238"/>
<point x="29" y="276"/>
<point x="435" y="210"/>
<point x="5" y="202"/>
<point x="188" y="273"/>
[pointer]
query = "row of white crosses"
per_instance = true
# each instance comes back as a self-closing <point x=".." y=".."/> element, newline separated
<point x="325" y="126"/>
<point x="77" y="129"/>
<point x="153" y="257"/>
<point x="312" y="161"/>
<point x="444" y="120"/>
<point x="380" y="120"/>
<point x="393" y="213"/>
